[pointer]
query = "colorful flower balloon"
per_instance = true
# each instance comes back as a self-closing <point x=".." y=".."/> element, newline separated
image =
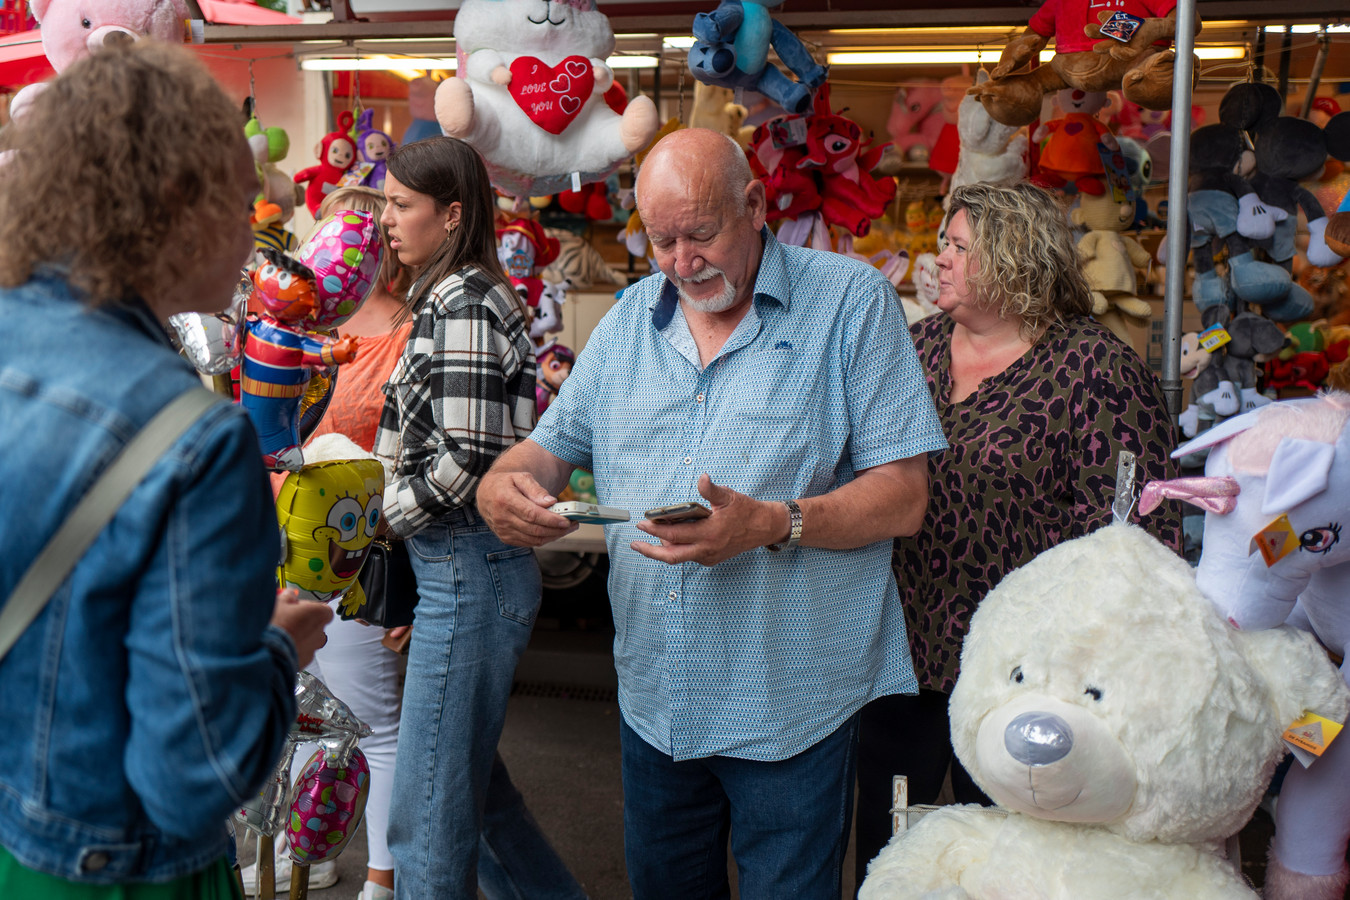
<point x="344" y="254"/>
<point x="326" y="805"/>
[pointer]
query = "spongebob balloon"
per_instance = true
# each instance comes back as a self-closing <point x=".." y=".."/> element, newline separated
<point x="329" y="512"/>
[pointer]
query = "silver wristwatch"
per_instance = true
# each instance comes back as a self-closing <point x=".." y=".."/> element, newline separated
<point x="795" y="535"/>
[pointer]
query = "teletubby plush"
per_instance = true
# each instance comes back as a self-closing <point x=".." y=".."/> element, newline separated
<point x="1223" y="207"/>
<point x="1110" y="257"/>
<point x="1137" y="65"/>
<point x="71" y="30"/>
<point x="278" y="355"/>
<point x="1069" y="144"/>
<point x="336" y="152"/>
<point x="731" y="49"/>
<point x="1122" y="727"/>
<point x="990" y="151"/>
<point x="1275" y="481"/>
<point x="374" y="147"/>
<point x="529" y="95"/>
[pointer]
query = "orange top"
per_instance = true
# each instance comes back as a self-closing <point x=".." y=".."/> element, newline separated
<point x="355" y="408"/>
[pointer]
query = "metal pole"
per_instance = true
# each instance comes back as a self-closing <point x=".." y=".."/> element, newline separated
<point x="1285" y="54"/>
<point x="1320" y="63"/>
<point x="1177" y="189"/>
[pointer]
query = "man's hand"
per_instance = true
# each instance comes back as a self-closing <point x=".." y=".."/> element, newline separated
<point x="738" y="523"/>
<point x="515" y="507"/>
<point x="303" y="621"/>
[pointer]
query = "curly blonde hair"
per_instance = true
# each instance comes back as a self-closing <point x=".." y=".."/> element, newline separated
<point x="125" y="171"/>
<point x="1026" y="261"/>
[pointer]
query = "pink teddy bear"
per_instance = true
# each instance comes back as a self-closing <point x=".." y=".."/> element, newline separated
<point x="72" y="29"/>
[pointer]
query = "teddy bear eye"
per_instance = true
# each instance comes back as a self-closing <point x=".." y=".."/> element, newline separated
<point x="1016" y="676"/>
<point x="85" y="23"/>
<point x="1094" y="693"/>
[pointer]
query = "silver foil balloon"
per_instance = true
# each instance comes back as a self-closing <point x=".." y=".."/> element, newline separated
<point x="214" y="343"/>
<point x="268" y="811"/>
<point x="325" y="720"/>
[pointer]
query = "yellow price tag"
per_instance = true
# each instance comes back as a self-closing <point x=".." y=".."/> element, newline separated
<point x="1309" y="736"/>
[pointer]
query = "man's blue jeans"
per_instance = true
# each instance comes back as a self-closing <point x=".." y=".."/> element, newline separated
<point x="788" y="821"/>
<point x="456" y="822"/>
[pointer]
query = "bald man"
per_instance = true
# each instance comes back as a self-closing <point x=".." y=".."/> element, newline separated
<point x="777" y="386"/>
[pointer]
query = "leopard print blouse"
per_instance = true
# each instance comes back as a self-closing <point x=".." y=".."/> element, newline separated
<point x="1032" y="463"/>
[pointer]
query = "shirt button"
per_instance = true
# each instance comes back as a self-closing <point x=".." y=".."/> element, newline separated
<point x="688" y="460"/>
<point x="672" y="595"/>
<point x="699" y="398"/>
<point x="95" y="861"/>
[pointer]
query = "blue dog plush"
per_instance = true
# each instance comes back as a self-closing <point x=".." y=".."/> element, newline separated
<point x="732" y="50"/>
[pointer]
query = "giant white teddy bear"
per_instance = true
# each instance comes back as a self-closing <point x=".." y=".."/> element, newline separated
<point x="1277" y="493"/>
<point x="74" y="28"/>
<point x="1123" y="726"/>
<point x="531" y="95"/>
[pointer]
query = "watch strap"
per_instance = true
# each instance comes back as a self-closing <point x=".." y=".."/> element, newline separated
<point x="795" y="529"/>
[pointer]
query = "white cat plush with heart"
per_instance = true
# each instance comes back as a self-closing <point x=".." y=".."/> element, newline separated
<point x="530" y="95"/>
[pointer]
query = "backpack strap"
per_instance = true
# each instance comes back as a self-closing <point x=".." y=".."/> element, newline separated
<point x="95" y="510"/>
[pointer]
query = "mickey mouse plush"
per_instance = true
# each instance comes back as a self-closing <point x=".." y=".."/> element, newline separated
<point x="1223" y="207"/>
<point x="1288" y="150"/>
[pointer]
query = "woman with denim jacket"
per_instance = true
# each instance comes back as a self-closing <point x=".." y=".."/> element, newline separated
<point x="150" y="696"/>
<point x="461" y="394"/>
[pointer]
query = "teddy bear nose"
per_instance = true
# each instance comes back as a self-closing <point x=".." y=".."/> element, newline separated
<point x="1038" y="738"/>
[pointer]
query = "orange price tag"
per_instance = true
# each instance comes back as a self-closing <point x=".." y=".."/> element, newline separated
<point x="1276" y="541"/>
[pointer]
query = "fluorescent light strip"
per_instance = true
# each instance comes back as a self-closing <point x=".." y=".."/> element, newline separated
<point x="377" y="63"/>
<point x="1309" y="29"/>
<point x="948" y="57"/>
<point x="425" y="63"/>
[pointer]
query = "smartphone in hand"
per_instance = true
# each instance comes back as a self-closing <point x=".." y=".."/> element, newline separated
<point x="678" y="512"/>
<point x="590" y="512"/>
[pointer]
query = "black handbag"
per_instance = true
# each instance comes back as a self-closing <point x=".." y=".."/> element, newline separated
<point x="389" y="585"/>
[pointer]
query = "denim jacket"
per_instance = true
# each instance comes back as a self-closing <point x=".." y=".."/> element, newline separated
<point x="151" y="696"/>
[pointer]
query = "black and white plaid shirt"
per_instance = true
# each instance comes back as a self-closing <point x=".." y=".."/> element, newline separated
<point x="462" y="393"/>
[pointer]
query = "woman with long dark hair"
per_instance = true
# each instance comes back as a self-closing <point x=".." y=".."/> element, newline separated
<point x="461" y="394"/>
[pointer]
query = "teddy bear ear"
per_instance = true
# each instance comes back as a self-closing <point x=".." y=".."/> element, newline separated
<point x="39" y="9"/>
<point x="1299" y="676"/>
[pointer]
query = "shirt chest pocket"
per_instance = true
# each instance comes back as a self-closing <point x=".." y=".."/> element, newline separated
<point x="775" y="386"/>
<point x="409" y="387"/>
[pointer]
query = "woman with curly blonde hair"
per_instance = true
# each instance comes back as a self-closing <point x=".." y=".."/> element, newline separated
<point x="1037" y="401"/>
<point x="151" y="693"/>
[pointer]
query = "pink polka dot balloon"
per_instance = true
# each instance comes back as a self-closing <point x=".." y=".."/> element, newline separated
<point x="327" y="802"/>
<point x="344" y="254"/>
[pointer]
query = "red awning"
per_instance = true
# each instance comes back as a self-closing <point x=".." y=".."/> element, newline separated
<point x="22" y="60"/>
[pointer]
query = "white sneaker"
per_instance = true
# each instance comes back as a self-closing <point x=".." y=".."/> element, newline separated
<point x="321" y="875"/>
<point x="373" y="891"/>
